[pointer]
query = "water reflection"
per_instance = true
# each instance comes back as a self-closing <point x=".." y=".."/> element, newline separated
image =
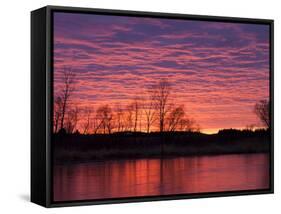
<point x="146" y="177"/>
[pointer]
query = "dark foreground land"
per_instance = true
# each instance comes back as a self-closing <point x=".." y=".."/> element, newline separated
<point x="77" y="147"/>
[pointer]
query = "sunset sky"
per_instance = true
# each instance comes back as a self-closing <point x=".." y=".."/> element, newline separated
<point x="217" y="70"/>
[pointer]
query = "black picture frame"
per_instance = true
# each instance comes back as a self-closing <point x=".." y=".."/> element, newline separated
<point x="42" y="99"/>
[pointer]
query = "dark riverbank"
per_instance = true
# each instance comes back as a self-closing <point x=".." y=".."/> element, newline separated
<point x="76" y="147"/>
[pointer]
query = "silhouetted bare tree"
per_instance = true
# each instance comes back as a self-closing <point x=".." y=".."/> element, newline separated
<point x="175" y="118"/>
<point x="105" y="116"/>
<point x="87" y="124"/>
<point x="129" y="118"/>
<point x="149" y="113"/>
<point x="160" y="95"/>
<point x="119" y="118"/>
<point x="188" y="124"/>
<point x="57" y="113"/>
<point x="135" y="106"/>
<point x="72" y="119"/>
<point x="68" y="88"/>
<point x="141" y="113"/>
<point x="96" y="124"/>
<point x="261" y="109"/>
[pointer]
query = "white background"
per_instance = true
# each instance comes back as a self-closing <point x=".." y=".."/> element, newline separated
<point x="15" y="105"/>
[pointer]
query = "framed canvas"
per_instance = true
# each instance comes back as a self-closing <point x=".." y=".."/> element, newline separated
<point x="133" y="106"/>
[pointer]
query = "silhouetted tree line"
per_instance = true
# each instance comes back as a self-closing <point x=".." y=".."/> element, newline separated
<point x="156" y="110"/>
<point x="245" y="132"/>
<point x="262" y="111"/>
<point x="65" y="116"/>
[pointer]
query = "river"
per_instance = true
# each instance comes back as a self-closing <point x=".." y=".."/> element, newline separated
<point x="150" y="177"/>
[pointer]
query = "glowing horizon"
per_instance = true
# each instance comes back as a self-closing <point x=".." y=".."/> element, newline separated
<point x="217" y="70"/>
